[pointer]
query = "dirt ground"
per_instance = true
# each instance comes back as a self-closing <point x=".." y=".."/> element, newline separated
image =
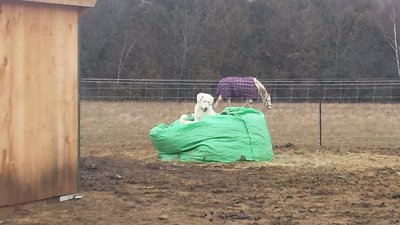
<point x="301" y="186"/>
<point x="123" y="182"/>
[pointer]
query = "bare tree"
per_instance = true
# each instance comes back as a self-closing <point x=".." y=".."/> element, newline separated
<point x="389" y="27"/>
<point x="186" y="35"/>
<point x="125" y="52"/>
<point x="393" y="42"/>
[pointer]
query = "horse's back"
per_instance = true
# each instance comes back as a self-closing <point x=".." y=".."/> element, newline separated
<point x="237" y="87"/>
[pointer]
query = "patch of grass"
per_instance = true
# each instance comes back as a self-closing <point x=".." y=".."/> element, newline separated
<point x="127" y="124"/>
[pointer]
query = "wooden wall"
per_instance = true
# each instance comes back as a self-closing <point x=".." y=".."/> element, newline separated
<point x="38" y="101"/>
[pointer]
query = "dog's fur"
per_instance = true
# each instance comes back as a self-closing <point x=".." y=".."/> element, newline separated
<point x="203" y="107"/>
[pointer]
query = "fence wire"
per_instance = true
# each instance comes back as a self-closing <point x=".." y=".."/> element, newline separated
<point x="339" y="91"/>
<point x="121" y="112"/>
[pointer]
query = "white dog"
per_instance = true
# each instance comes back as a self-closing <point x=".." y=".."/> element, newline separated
<point x="202" y="108"/>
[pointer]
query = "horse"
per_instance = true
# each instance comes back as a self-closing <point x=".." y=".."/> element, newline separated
<point x="246" y="87"/>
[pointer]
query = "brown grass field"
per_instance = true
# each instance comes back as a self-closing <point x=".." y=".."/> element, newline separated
<point x="352" y="179"/>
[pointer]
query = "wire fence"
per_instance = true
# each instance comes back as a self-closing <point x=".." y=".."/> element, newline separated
<point x="339" y="91"/>
<point x="121" y="112"/>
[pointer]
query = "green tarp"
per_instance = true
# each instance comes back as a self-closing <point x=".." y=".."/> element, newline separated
<point x="236" y="134"/>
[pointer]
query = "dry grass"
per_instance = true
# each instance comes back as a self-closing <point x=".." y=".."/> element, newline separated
<point x="356" y="125"/>
<point x="127" y="124"/>
<point x="342" y="185"/>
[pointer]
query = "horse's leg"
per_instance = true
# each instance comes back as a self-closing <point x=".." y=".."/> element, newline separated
<point x="228" y="100"/>
<point x="269" y="103"/>
<point x="249" y="102"/>
<point x="219" y="99"/>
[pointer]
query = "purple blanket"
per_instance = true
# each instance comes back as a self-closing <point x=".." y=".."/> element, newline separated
<point x="237" y="87"/>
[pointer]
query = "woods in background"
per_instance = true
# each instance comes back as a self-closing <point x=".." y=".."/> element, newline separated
<point x="269" y="39"/>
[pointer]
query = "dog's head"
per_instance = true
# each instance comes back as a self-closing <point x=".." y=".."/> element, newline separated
<point x="205" y="101"/>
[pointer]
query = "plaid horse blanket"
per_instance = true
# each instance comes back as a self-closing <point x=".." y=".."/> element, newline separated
<point x="237" y="87"/>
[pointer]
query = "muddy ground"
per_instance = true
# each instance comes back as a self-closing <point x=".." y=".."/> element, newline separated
<point x="301" y="186"/>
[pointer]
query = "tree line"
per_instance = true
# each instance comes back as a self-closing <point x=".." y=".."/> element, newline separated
<point x="269" y="39"/>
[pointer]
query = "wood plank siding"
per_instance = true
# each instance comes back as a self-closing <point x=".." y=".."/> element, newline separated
<point x="38" y="101"/>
